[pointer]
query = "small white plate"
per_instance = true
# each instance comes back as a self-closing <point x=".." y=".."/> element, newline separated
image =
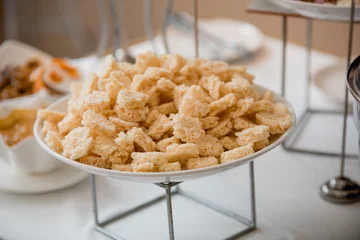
<point x="320" y="11"/>
<point x="242" y="33"/>
<point x="331" y="80"/>
<point x="17" y="182"/>
<point x="157" y="177"/>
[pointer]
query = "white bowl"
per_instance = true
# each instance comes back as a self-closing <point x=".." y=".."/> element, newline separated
<point x="320" y="11"/>
<point x="157" y="177"/>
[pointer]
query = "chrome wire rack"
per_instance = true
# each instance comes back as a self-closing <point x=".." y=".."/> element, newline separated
<point x="339" y="189"/>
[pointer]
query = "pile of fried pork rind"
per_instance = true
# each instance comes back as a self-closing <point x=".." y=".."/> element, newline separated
<point x="164" y="113"/>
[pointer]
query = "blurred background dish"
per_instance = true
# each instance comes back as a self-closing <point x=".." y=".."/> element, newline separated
<point x="330" y="81"/>
<point x="339" y="12"/>
<point x="246" y="38"/>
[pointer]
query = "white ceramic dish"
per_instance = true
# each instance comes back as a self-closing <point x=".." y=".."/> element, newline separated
<point x="242" y="33"/>
<point x="320" y="11"/>
<point x="331" y="81"/>
<point x="157" y="177"/>
<point x="19" y="182"/>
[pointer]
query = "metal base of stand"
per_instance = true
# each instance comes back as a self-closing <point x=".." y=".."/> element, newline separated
<point x="340" y="190"/>
<point x="250" y="224"/>
<point x="289" y="143"/>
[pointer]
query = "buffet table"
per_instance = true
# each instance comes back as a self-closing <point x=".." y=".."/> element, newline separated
<point x="287" y="185"/>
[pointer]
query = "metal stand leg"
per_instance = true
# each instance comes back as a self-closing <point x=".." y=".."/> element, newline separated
<point x="148" y="25"/>
<point x="341" y="189"/>
<point x="289" y="143"/>
<point x="251" y="224"/>
<point x="167" y="19"/>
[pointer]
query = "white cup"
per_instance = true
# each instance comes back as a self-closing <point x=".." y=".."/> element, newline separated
<point x="27" y="157"/>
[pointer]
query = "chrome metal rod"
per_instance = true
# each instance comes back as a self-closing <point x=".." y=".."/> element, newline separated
<point x="104" y="28"/>
<point x="351" y="33"/>
<point x="196" y="28"/>
<point x="283" y="65"/>
<point x="169" y="211"/>
<point x="308" y="63"/>
<point x="94" y="198"/>
<point x="215" y="207"/>
<point x="167" y="19"/>
<point x="108" y="233"/>
<point x="148" y="25"/>
<point x="116" y="27"/>
<point x="252" y="192"/>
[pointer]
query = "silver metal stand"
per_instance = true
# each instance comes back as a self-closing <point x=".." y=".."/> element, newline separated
<point x="100" y="226"/>
<point x="289" y="143"/>
<point x="342" y="189"/>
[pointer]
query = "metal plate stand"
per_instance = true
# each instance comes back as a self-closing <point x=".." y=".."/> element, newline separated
<point x="100" y="226"/>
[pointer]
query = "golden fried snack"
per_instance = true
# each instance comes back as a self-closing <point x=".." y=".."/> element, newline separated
<point x="195" y="163"/>
<point x="181" y="152"/>
<point x="252" y="135"/>
<point x="236" y="153"/>
<point x="188" y="129"/>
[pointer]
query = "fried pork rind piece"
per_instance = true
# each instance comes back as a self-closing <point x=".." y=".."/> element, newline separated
<point x="166" y="108"/>
<point x="122" y="167"/>
<point x="172" y="62"/>
<point x="170" y="167"/>
<point x="106" y="67"/>
<point x="128" y="69"/>
<point x="195" y="163"/>
<point x="143" y="167"/>
<point x="165" y="86"/>
<point x="131" y="115"/>
<point x="155" y="73"/>
<point x="188" y="75"/>
<point x="262" y="106"/>
<point x="121" y="125"/>
<point x="51" y="116"/>
<point x="125" y="141"/>
<point x="252" y="135"/>
<point x="49" y="126"/>
<point x="142" y="139"/>
<point x="69" y="122"/>
<point x="160" y="126"/>
<point x="199" y="93"/>
<point x="223" y="128"/>
<point x="121" y="77"/>
<point x="222" y="104"/>
<point x="191" y="107"/>
<point x="151" y="117"/>
<point x="261" y="144"/>
<point x="242" y="106"/>
<point x="236" y="153"/>
<point x="179" y="93"/>
<point x="210" y="146"/>
<point x="209" y="122"/>
<point x="95" y="161"/>
<point x="240" y="71"/>
<point x="277" y="124"/>
<point x="162" y="145"/>
<point x="53" y="140"/>
<point x="268" y="95"/>
<point x="213" y="85"/>
<point x="97" y="101"/>
<point x="240" y="86"/>
<point x="181" y="152"/>
<point x="98" y="124"/>
<point x="217" y="68"/>
<point x="112" y="89"/>
<point x="145" y="60"/>
<point x="89" y="85"/>
<point x="108" y="149"/>
<point x="242" y="123"/>
<point x="141" y="83"/>
<point x="77" y="143"/>
<point x="188" y="129"/>
<point x="130" y="99"/>
<point x="156" y="158"/>
<point x="229" y="142"/>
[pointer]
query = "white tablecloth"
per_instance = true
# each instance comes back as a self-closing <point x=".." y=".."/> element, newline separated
<point x="287" y="184"/>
